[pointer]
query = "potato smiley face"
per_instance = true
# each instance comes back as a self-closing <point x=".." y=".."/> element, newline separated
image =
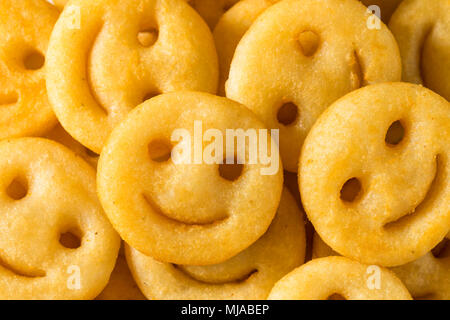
<point x="378" y="161"/>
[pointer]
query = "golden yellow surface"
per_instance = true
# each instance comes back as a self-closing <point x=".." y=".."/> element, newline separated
<point x="184" y="213"/>
<point x="249" y="275"/>
<point x="309" y="61"/>
<point x="100" y="71"/>
<point x="25" y="28"/>
<point x="57" y="196"/>
<point x="121" y="285"/>
<point x="425" y="278"/>
<point x="323" y="278"/>
<point x="401" y="211"/>
<point x="230" y="29"/>
<point x="421" y="28"/>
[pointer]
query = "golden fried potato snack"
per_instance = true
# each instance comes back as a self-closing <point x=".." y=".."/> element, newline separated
<point x="25" y="28"/>
<point x="107" y="56"/>
<point x="121" y="285"/>
<point x="425" y="278"/>
<point x="55" y="240"/>
<point x="230" y="29"/>
<point x="339" y="278"/>
<point x="429" y="276"/>
<point x="186" y="212"/>
<point x="288" y="70"/>
<point x="374" y="173"/>
<point x="58" y="3"/>
<point x="421" y="28"/>
<point x="60" y="135"/>
<point x="249" y="275"/>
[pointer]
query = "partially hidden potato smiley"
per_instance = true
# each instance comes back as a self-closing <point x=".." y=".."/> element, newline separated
<point x="289" y="70"/>
<point x="230" y="29"/>
<point x="189" y="212"/>
<point x="107" y="56"/>
<point x="55" y="240"/>
<point x="121" y="285"/>
<point x="249" y="275"/>
<point x="374" y="173"/>
<point x="425" y="278"/>
<point x="339" y="278"/>
<point x="25" y="28"/>
<point x="421" y="28"/>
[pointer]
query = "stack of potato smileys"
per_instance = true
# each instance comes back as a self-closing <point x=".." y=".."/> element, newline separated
<point x="225" y="149"/>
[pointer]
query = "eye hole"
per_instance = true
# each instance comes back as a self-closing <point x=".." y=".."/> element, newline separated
<point x="9" y="98"/>
<point x="336" y="296"/>
<point x="159" y="150"/>
<point x="231" y="171"/>
<point x="350" y="190"/>
<point x="287" y="114"/>
<point x="70" y="239"/>
<point x="442" y="250"/>
<point x="148" y="37"/>
<point x="17" y="189"/>
<point x="309" y="42"/>
<point x="395" y="133"/>
<point x="34" y="60"/>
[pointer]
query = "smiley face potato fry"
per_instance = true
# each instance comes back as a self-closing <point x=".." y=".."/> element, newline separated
<point x="102" y="63"/>
<point x="25" y="28"/>
<point x="249" y="275"/>
<point x="289" y="70"/>
<point x="338" y="277"/>
<point x="224" y="150"/>
<point x="210" y="222"/>
<point x="55" y="240"/>
<point x="374" y="173"/>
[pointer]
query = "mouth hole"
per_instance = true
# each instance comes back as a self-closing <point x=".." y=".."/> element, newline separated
<point x="336" y="296"/>
<point x="287" y="114"/>
<point x="34" y="60"/>
<point x="350" y="190"/>
<point x="309" y="42"/>
<point x="395" y="133"/>
<point x="231" y="171"/>
<point x="9" y="98"/>
<point x="148" y="37"/>
<point x="71" y="239"/>
<point x="18" y="188"/>
<point x="442" y="250"/>
<point x="159" y="150"/>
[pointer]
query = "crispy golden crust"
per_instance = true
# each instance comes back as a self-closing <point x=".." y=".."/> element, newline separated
<point x="322" y="279"/>
<point x="25" y="28"/>
<point x="396" y="214"/>
<point x="211" y="218"/>
<point x="249" y="275"/>
<point x="421" y="28"/>
<point x="48" y="192"/>
<point x="306" y="64"/>
<point x="92" y="92"/>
